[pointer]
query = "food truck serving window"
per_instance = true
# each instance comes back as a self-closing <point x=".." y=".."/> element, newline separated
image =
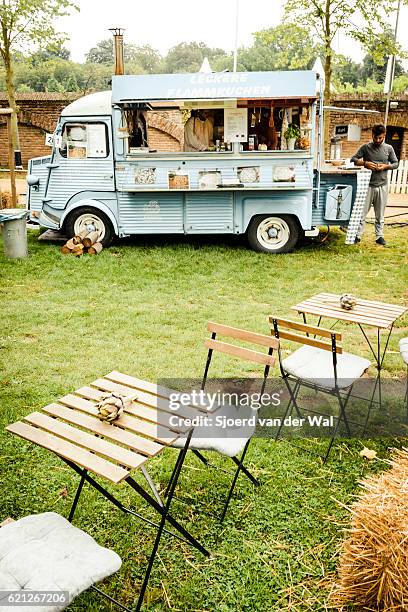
<point x="84" y="140"/>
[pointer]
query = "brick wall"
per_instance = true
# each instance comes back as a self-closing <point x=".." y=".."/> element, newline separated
<point x="39" y="112"/>
<point x="397" y="118"/>
<point x="163" y="142"/>
<point x="165" y="131"/>
<point x="31" y="140"/>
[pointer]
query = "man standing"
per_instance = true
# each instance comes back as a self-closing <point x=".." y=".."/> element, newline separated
<point x="379" y="158"/>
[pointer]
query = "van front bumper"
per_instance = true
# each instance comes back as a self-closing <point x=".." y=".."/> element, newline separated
<point x="46" y="221"/>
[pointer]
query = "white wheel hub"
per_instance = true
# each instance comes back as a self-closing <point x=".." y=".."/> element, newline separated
<point x="91" y="223"/>
<point x="273" y="233"/>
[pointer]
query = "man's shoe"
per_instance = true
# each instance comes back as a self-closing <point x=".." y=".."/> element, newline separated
<point x="381" y="241"/>
<point x="357" y="240"/>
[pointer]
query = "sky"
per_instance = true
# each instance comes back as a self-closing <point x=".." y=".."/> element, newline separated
<point x="165" y="23"/>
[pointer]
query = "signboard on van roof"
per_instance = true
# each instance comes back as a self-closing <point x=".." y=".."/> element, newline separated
<point x="214" y="86"/>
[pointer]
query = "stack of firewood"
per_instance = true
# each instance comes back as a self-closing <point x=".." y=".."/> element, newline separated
<point x="85" y="242"/>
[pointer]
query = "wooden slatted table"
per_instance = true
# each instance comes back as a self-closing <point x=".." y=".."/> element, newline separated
<point x="369" y="313"/>
<point x="366" y="312"/>
<point x="71" y="429"/>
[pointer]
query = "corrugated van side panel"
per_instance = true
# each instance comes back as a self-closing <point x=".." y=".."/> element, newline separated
<point x="211" y="212"/>
<point x="73" y="176"/>
<point x="151" y="213"/>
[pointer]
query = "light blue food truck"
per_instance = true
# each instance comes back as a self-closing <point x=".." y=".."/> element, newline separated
<point x="258" y="173"/>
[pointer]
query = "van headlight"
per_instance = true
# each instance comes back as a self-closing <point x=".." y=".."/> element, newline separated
<point x="33" y="181"/>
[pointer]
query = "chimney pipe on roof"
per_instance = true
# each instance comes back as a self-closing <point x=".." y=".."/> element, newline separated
<point x="118" y="50"/>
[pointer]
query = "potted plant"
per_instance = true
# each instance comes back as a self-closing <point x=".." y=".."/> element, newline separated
<point x="291" y="135"/>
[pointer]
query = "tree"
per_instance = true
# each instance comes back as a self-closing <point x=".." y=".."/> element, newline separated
<point x="37" y="77"/>
<point x="58" y="75"/>
<point x="53" y="85"/>
<point x="345" y="70"/>
<point x="325" y="18"/>
<point x="401" y="83"/>
<point x="51" y="51"/>
<point x="71" y="83"/>
<point x="285" y="47"/>
<point x="95" y="77"/>
<point x="377" y="71"/>
<point x="145" y="58"/>
<point x="220" y="63"/>
<point x="102" y="53"/>
<point x="188" y="57"/>
<point x="28" y="23"/>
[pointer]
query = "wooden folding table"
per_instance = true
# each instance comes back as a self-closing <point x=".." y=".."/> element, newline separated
<point x="71" y="429"/>
<point x="369" y="313"/>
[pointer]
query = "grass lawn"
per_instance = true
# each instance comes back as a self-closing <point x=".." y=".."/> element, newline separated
<point x="141" y="307"/>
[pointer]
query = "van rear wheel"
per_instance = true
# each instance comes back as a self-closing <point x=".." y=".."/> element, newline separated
<point x="273" y="234"/>
<point x="90" y="219"/>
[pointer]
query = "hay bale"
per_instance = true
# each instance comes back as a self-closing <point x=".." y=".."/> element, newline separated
<point x="373" y="571"/>
<point x="6" y="200"/>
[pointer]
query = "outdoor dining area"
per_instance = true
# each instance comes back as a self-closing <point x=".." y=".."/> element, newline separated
<point x="111" y="430"/>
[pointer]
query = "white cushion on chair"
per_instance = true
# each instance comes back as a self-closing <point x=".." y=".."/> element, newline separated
<point x="316" y="366"/>
<point x="44" y="552"/>
<point x="229" y="441"/>
<point x="403" y="346"/>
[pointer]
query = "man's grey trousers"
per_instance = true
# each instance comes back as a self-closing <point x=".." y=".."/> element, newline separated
<point x="376" y="197"/>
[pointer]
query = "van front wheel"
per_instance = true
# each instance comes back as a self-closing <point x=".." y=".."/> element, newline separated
<point x="273" y="234"/>
<point x="89" y="219"/>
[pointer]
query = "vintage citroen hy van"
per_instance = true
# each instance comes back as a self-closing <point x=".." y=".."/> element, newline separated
<point x="106" y="174"/>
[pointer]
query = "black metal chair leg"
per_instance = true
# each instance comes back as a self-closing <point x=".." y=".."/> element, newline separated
<point x="200" y="456"/>
<point x="164" y="515"/>
<point x="234" y="481"/>
<point x="369" y="407"/>
<point x="295" y="404"/>
<point x="245" y="471"/>
<point x="166" y="492"/>
<point x="197" y="454"/>
<point x="341" y="417"/>
<point x="290" y="405"/>
<point x="111" y="599"/>
<point x="332" y="441"/>
<point x="342" y="414"/>
<point x="77" y="495"/>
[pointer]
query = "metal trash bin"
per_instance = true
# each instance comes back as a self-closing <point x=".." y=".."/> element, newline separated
<point x="14" y="222"/>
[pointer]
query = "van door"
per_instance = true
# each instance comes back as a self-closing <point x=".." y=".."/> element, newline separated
<point x="82" y="163"/>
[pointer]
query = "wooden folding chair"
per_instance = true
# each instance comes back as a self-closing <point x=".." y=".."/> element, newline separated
<point x="319" y="364"/>
<point x="235" y="442"/>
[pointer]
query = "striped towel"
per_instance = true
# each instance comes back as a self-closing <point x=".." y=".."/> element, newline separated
<point x="363" y="180"/>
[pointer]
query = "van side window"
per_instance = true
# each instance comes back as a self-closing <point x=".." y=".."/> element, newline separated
<point x="84" y="140"/>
